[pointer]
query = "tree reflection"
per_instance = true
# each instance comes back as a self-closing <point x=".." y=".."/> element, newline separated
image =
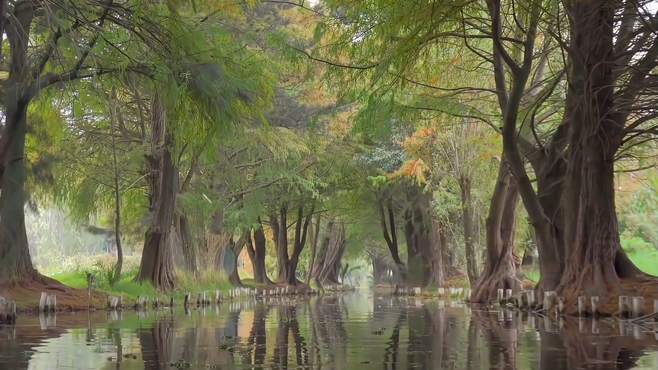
<point x="257" y="341"/>
<point x="332" y="332"/>
<point x="156" y="344"/>
<point x="327" y="315"/>
<point x="289" y="325"/>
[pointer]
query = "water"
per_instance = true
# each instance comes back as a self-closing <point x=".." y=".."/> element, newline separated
<point x="355" y="331"/>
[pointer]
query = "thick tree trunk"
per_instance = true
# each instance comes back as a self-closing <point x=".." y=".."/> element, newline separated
<point x="187" y="246"/>
<point x="228" y="259"/>
<point x="15" y="261"/>
<point x="210" y="255"/>
<point x="550" y="174"/>
<point x="256" y="251"/>
<point x="591" y="227"/>
<point x="279" y="226"/>
<point x="469" y="230"/>
<point x="421" y="235"/>
<point x="17" y="93"/>
<point x="500" y="265"/>
<point x="157" y="265"/>
<point x="328" y="263"/>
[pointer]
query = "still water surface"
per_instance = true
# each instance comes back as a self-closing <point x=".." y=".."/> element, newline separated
<point x="354" y="331"/>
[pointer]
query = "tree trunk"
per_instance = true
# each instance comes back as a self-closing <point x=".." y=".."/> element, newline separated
<point x="234" y="276"/>
<point x="314" y="249"/>
<point x="389" y="230"/>
<point x="15" y="261"/>
<point x="327" y="267"/>
<point x="591" y="227"/>
<point x="210" y="256"/>
<point x="256" y="251"/>
<point x="157" y="264"/>
<point x="380" y="268"/>
<point x="117" y="206"/>
<point x="279" y="226"/>
<point x="438" y="246"/>
<point x="469" y="231"/>
<point x="228" y="260"/>
<point x="186" y="249"/>
<point x="301" y="231"/>
<point x="500" y="266"/>
<point x="550" y="174"/>
<point x="421" y="237"/>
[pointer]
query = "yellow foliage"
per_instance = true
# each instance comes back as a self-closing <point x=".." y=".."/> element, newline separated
<point x="414" y="169"/>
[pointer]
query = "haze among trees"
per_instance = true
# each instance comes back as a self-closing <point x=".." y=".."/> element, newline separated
<point x="491" y="144"/>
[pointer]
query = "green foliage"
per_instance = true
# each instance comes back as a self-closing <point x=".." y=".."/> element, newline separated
<point x="639" y="218"/>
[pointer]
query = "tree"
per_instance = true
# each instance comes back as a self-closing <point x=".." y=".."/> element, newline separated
<point x="256" y="249"/>
<point x="157" y="264"/>
<point x="523" y="45"/>
<point x="81" y="41"/>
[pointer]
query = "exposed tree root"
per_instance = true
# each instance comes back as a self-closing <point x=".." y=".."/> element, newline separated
<point x="486" y="288"/>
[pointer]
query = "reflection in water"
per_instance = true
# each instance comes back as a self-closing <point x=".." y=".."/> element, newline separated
<point x="331" y="332"/>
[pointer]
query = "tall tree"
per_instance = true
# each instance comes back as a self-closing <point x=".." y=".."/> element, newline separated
<point x="80" y="36"/>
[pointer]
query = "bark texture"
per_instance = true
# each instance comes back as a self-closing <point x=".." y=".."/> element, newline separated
<point x="328" y="262"/>
<point x="157" y="264"/>
<point x="500" y="265"/>
<point x="15" y="261"/>
<point x="591" y="227"/>
<point x="422" y="237"/>
<point x="469" y="228"/>
<point x="256" y="250"/>
<point x="287" y="263"/>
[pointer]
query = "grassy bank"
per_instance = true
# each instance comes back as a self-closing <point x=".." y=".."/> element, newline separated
<point x="130" y="289"/>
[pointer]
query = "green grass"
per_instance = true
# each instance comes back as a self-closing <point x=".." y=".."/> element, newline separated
<point x="643" y="254"/>
<point x="126" y="286"/>
<point x="130" y="289"/>
<point x="532" y="274"/>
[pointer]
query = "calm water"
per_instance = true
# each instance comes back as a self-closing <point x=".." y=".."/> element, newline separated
<point x="355" y="331"/>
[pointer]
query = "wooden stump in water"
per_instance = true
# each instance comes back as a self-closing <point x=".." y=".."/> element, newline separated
<point x="582" y="305"/>
<point x="47" y="302"/>
<point x="141" y="303"/>
<point x="43" y="302"/>
<point x="595" y="305"/>
<point x="624" y="306"/>
<point x="7" y="311"/>
<point x="113" y="303"/>
<point x="637" y="306"/>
